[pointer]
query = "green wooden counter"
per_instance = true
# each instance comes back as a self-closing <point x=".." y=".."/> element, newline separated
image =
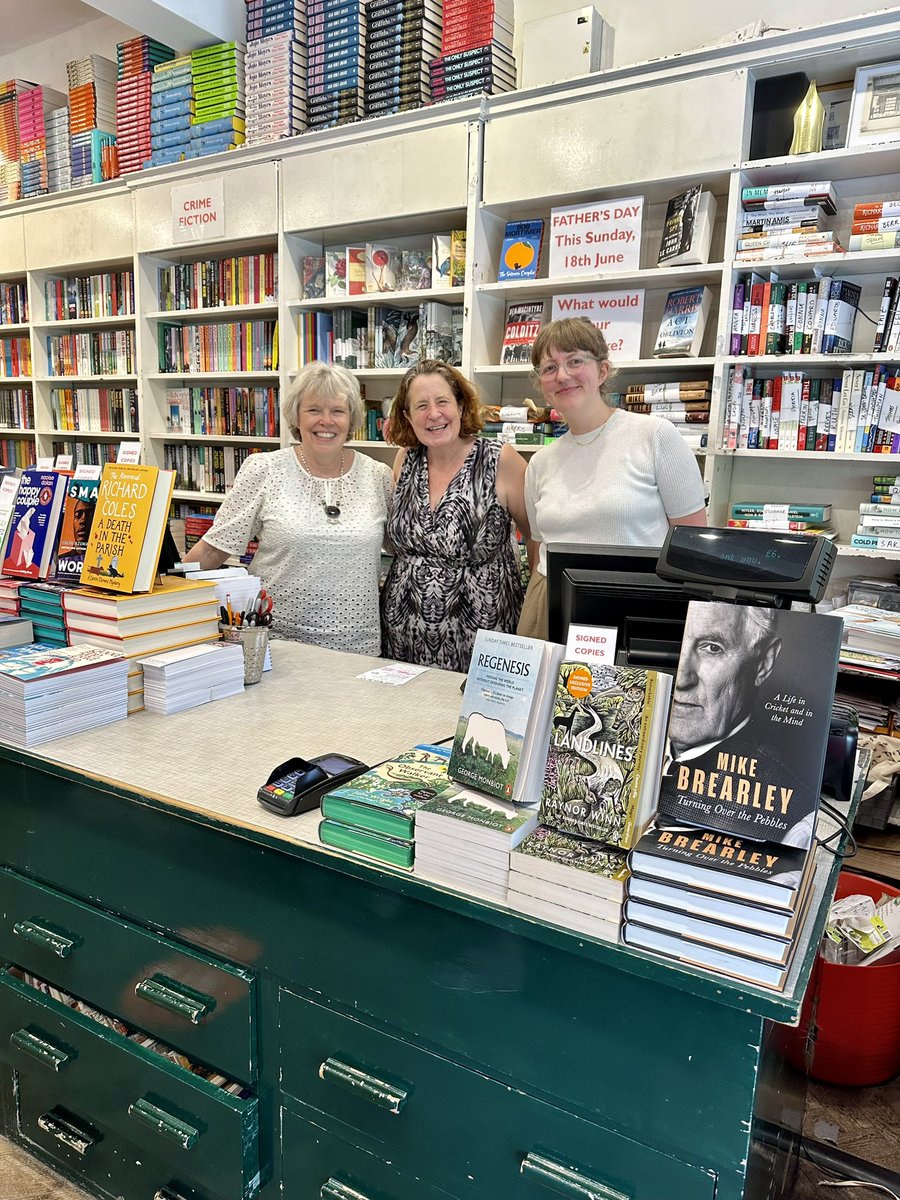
<point x="365" y="1035"/>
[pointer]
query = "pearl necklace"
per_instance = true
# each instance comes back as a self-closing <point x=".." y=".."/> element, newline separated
<point x="332" y="510"/>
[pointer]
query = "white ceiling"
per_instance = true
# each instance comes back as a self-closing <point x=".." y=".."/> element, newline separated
<point x="25" y="23"/>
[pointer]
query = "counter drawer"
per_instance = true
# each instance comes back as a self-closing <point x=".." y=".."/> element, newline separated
<point x="201" y="1006"/>
<point x="454" y="1126"/>
<point x="94" y="1153"/>
<point x="317" y="1164"/>
<point x="207" y="1134"/>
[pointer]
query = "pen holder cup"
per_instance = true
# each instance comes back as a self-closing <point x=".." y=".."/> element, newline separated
<point x="255" y="641"/>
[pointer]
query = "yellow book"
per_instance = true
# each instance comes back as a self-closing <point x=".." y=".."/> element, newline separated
<point x="126" y="536"/>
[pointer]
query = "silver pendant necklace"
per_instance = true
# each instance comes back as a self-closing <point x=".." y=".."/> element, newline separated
<point x="331" y="506"/>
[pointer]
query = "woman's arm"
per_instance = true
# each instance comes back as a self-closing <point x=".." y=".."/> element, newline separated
<point x="511" y="487"/>
<point x="398" y="463"/>
<point x="694" y="518"/>
<point x="206" y="555"/>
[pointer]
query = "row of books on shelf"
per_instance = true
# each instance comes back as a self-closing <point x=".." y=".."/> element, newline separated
<point x="205" y="468"/>
<point x="562" y="793"/>
<point x="853" y="413"/>
<point x="237" y="411"/>
<point x="92" y="352"/>
<point x="211" y="283"/>
<point x="879" y="516"/>
<point x="382" y="337"/>
<point x="106" y="294"/>
<point x="16" y="407"/>
<point x="13" y="302"/>
<point x="781" y="517"/>
<point x="220" y="346"/>
<point x="15" y="357"/>
<point x="814" y="316"/>
<point x="376" y="268"/>
<point x="103" y="409"/>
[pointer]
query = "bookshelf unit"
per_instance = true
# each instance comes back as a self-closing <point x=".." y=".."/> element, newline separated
<point x="396" y="183"/>
<point x="16" y="395"/>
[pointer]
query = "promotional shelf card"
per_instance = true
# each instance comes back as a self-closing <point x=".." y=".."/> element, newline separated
<point x="604" y="235"/>
<point x="591" y="643"/>
<point x="619" y="315"/>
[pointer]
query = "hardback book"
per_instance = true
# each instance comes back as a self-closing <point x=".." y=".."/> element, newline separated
<point x="605" y="754"/>
<point x="457" y="257"/>
<point x="395" y="851"/>
<point x="396" y="335"/>
<point x="78" y="516"/>
<point x="749" y="943"/>
<point x="386" y="798"/>
<point x="356" y="270"/>
<point x="866" y="627"/>
<point x="132" y="644"/>
<point x="520" y="254"/>
<point x="840" y="317"/>
<point x="415" y="270"/>
<point x="127" y="531"/>
<point x="687" y="229"/>
<point x="440" y="261"/>
<point x="500" y="745"/>
<point x="750" y="720"/>
<point x="313" y="277"/>
<point x="714" y="906"/>
<point x="34" y="524"/>
<point x="600" y="923"/>
<point x="335" y="272"/>
<point x="382" y="267"/>
<point x="568" y="861"/>
<point x="171" y="592"/>
<point x="524" y="319"/>
<point x="697" y="954"/>
<point x="683" y="323"/>
<point x="749" y="509"/>
<point x="473" y="817"/>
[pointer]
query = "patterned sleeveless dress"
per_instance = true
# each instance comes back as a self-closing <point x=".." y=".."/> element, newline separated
<point x="456" y="569"/>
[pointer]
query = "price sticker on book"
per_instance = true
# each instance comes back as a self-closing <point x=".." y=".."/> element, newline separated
<point x="592" y="643"/>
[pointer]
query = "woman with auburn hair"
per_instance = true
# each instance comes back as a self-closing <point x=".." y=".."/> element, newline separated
<point x="456" y="497"/>
<point x="616" y="478"/>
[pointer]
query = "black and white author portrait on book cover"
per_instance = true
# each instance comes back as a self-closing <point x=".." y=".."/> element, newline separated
<point x="751" y="711"/>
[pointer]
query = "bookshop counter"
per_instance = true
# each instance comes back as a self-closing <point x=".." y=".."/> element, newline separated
<point x="363" y="1035"/>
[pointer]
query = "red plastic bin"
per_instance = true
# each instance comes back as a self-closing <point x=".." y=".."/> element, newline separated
<point x="855" y="1010"/>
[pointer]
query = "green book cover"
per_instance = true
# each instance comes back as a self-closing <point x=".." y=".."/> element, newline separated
<point x="385" y="798"/>
<point x="394" y="851"/>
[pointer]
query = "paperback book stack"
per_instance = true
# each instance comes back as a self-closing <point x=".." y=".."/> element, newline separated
<point x="870" y="638"/>
<point x="192" y="675"/>
<point x="217" y="76"/>
<point x="786" y="221"/>
<point x="875" y="226"/>
<point x="275" y="69"/>
<point x="879" y="516"/>
<point x="48" y="692"/>
<point x="135" y="61"/>
<point x="92" y="119"/>
<point x="375" y="814"/>
<point x="685" y="403"/>
<point x="476" y="50"/>
<point x="403" y="37"/>
<point x="59" y="151"/>
<point x="171" y="110"/>
<point x="722" y="881"/>
<point x="10" y="166"/>
<point x="42" y="604"/>
<point x="519" y="425"/>
<point x="33" y="105"/>
<point x="336" y="39"/>
<point x="781" y="517"/>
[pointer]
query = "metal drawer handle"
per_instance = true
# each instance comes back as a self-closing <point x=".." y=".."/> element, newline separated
<point x="333" y="1189"/>
<point x="165" y="1193"/>
<point x="39" y="1048"/>
<point x="59" y="943"/>
<point x="171" y="995"/>
<point x="164" y="1123"/>
<point x="67" y="1132"/>
<point x="560" y="1178"/>
<point x="384" y="1095"/>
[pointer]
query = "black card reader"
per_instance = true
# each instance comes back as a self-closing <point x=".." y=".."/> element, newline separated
<point x="299" y="784"/>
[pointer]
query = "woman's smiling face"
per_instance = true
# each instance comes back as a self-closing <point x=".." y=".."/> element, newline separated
<point x="434" y="411"/>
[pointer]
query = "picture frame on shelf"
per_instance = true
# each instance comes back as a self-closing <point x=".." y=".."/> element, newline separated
<point x="875" y="106"/>
<point x="836" y="99"/>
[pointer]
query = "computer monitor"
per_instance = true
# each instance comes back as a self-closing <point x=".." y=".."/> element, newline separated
<point x="617" y="586"/>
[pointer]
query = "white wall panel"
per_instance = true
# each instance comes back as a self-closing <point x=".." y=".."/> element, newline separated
<point x="96" y="229"/>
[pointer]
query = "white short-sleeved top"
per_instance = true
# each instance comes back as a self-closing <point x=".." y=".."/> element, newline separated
<point x="323" y="575"/>
<point x="618" y="490"/>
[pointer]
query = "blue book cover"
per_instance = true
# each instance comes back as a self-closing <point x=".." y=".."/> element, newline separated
<point x="34" y="525"/>
<point x="40" y="660"/>
<point x="520" y="253"/>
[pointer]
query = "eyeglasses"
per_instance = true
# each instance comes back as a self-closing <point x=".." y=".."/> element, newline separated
<point x="574" y="363"/>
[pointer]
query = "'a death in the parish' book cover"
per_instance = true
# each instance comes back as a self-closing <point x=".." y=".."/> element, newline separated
<point x="748" y="730"/>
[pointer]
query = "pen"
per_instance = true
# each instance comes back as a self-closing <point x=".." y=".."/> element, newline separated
<point x="228" y="609"/>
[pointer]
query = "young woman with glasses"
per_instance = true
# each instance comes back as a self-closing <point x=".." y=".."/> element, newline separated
<point x="617" y="478"/>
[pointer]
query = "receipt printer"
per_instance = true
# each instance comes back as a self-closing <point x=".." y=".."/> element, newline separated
<point x="840" y="757"/>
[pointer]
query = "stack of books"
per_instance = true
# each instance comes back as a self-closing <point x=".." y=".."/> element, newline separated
<point x="92" y="119"/>
<point x="786" y="221"/>
<point x="48" y="692"/>
<point x="476" y="50"/>
<point x="684" y="402"/>
<point x="722" y="879"/>
<point x="136" y="59"/>
<point x="42" y="603"/>
<point x="15" y="631"/>
<point x="9" y="594"/>
<point x="10" y="167"/>
<point x="403" y="37"/>
<point x="179" y="679"/>
<point x="176" y="613"/>
<point x="879" y="516"/>
<point x="568" y="880"/>
<point x="275" y="69"/>
<point x="870" y="638"/>
<point x="875" y="226"/>
<point x="171" y="110"/>
<point x="32" y="106"/>
<point x="59" y="153"/>
<point x="375" y="814"/>
<point x="217" y="75"/>
<point x="781" y="517"/>
<point x="336" y="39"/>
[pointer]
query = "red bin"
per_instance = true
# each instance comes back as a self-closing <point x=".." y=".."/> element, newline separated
<point x="853" y="1012"/>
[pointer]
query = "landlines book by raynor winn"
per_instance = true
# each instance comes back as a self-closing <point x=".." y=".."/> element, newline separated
<point x="500" y="746"/>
